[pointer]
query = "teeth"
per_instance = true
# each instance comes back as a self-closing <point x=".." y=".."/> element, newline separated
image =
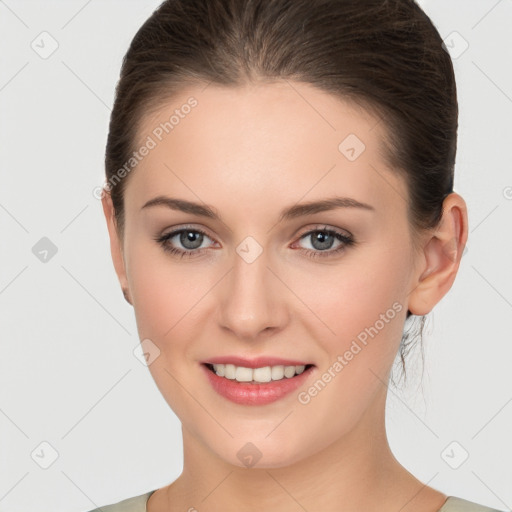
<point x="265" y="374"/>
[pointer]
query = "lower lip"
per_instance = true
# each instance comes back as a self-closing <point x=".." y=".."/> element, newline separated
<point x="255" y="394"/>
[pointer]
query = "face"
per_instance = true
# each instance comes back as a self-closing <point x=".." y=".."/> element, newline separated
<point x="324" y="287"/>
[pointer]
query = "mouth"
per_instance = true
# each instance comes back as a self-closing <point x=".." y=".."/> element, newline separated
<point x="258" y="385"/>
<point x="257" y="376"/>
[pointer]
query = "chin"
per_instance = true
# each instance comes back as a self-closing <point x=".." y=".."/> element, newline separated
<point x="253" y="453"/>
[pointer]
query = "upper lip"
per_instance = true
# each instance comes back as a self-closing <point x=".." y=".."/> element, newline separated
<point x="257" y="362"/>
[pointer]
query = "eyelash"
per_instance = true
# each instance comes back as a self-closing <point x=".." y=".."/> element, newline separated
<point x="347" y="240"/>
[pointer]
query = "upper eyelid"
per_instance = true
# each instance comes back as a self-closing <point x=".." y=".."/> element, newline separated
<point x="299" y="236"/>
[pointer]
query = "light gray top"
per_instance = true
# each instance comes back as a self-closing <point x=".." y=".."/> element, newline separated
<point x="138" y="504"/>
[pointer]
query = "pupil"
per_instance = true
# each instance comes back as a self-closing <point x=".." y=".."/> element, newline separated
<point x="325" y="239"/>
<point x="190" y="239"/>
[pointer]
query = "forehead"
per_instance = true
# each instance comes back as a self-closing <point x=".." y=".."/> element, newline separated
<point x="265" y="144"/>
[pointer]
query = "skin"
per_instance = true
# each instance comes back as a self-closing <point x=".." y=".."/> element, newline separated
<point x="250" y="152"/>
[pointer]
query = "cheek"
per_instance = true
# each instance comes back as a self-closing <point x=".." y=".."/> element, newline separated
<point x="347" y="298"/>
<point x="162" y="292"/>
<point x="363" y="305"/>
<point x="166" y="300"/>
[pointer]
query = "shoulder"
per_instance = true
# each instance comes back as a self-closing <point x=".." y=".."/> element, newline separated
<point x="456" y="504"/>
<point x="134" y="504"/>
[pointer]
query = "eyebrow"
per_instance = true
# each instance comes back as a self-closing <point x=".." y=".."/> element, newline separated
<point x="292" y="212"/>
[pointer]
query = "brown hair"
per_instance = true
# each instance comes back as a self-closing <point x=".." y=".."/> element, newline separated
<point x="384" y="55"/>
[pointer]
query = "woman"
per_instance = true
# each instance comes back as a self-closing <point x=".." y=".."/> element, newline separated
<point x="280" y="204"/>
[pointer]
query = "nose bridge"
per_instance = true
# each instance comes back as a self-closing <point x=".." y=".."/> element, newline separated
<point x="250" y="302"/>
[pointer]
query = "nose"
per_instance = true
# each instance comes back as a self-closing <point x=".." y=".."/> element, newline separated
<point x="252" y="301"/>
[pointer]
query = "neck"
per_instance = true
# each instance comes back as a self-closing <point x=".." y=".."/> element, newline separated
<point x="357" y="472"/>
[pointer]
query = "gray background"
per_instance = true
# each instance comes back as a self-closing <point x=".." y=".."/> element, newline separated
<point x="71" y="387"/>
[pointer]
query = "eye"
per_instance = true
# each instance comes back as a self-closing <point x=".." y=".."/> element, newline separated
<point x="190" y="239"/>
<point x="323" y="238"/>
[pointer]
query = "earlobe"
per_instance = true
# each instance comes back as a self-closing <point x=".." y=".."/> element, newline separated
<point x="115" y="244"/>
<point x="127" y="296"/>
<point x="441" y="254"/>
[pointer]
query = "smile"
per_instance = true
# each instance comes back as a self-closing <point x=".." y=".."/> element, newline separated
<point x="239" y="384"/>
<point x="257" y="375"/>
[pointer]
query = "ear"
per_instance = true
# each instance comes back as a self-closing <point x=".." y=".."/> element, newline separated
<point x="116" y="247"/>
<point x="441" y="257"/>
